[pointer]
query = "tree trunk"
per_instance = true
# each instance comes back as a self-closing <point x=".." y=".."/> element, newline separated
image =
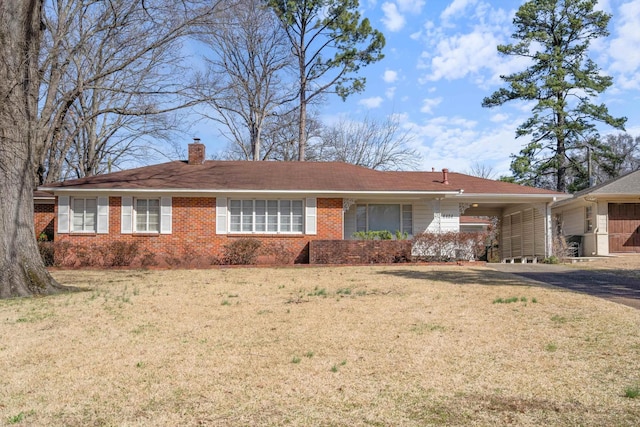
<point x="302" y="134"/>
<point x="22" y="271"/>
<point x="561" y="164"/>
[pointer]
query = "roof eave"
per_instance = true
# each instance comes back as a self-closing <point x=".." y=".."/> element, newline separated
<point x="525" y="197"/>
<point x="249" y="191"/>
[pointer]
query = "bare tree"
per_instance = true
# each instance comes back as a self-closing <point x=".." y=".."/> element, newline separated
<point x="109" y="79"/>
<point x="22" y="271"/>
<point x="602" y="159"/>
<point x="376" y="144"/>
<point x="481" y="170"/>
<point x="248" y="61"/>
<point x="626" y="154"/>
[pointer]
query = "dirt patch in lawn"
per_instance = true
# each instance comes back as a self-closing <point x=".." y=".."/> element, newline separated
<point x="401" y="345"/>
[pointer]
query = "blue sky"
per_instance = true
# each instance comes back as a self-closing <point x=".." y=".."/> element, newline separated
<point x="441" y="61"/>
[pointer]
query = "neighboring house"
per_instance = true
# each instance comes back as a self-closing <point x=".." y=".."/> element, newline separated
<point x="198" y="206"/>
<point x="604" y="219"/>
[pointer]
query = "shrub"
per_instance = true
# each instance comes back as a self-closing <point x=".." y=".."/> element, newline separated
<point x="563" y="249"/>
<point x="401" y="235"/>
<point x="148" y="259"/>
<point x="280" y="251"/>
<point x="120" y="254"/>
<point x="449" y="246"/>
<point x="241" y="252"/>
<point x="63" y="254"/>
<point x="47" y="252"/>
<point x="373" y="235"/>
<point x="91" y="255"/>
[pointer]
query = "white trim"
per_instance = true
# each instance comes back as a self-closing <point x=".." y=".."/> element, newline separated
<point x="221" y="215"/>
<point x="126" y="217"/>
<point x="102" y="217"/>
<point x="165" y="215"/>
<point x="311" y="216"/>
<point x="327" y="193"/>
<point x="64" y="214"/>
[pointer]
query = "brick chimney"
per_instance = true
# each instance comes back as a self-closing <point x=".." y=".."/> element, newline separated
<point x="445" y="176"/>
<point x="196" y="152"/>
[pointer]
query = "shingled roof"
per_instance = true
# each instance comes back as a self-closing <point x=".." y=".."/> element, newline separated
<point x="326" y="177"/>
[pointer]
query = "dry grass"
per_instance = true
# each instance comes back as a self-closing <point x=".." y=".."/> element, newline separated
<point x="406" y="345"/>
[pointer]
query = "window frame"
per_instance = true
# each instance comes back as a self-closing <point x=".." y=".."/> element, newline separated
<point x="402" y="216"/>
<point x="588" y="219"/>
<point x="73" y="211"/>
<point x="147" y="223"/>
<point x="244" y="218"/>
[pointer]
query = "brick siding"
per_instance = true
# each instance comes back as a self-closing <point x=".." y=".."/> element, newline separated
<point x="194" y="235"/>
<point x="359" y="251"/>
<point x="44" y="219"/>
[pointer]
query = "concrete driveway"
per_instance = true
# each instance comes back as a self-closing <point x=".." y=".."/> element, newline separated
<point x="617" y="288"/>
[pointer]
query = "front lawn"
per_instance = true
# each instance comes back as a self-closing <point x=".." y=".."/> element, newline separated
<point x="351" y="346"/>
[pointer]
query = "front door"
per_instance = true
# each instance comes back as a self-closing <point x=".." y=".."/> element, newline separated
<point x="624" y="227"/>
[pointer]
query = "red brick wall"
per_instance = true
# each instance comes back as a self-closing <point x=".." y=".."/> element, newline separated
<point x="194" y="237"/>
<point x="44" y="218"/>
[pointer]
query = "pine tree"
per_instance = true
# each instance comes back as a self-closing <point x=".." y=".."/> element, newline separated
<point x="562" y="81"/>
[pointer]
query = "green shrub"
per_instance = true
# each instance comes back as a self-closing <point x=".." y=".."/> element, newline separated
<point x="401" y="235"/>
<point x="373" y="235"/>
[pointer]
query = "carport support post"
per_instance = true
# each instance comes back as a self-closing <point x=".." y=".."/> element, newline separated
<point x="548" y="231"/>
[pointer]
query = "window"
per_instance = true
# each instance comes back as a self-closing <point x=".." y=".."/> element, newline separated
<point x="588" y="219"/>
<point x="378" y="217"/>
<point x="84" y="215"/>
<point x="147" y="214"/>
<point x="266" y="216"/>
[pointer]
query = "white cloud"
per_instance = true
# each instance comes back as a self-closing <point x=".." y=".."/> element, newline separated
<point x="390" y="92"/>
<point x="392" y="20"/>
<point x="499" y="117"/>
<point x="390" y="76"/>
<point x="624" y="47"/>
<point x="373" y="102"/>
<point x="460" y="55"/>
<point x="428" y="104"/>
<point x="456" y="143"/>
<point x="411" y="6"/>
<point x="457" y="7"/>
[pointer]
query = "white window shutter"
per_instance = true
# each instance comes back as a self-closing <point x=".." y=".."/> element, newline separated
<point x="221" y="215"/>
<point x="311" y="216"/>
<point x="63" y="214"/>
<point x="103" y="215"/>
<point x="165" y="215"/>
<point x="126" y="220"/>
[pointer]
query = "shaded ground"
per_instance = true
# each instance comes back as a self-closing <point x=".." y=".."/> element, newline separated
<point x="616" y="279"/>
